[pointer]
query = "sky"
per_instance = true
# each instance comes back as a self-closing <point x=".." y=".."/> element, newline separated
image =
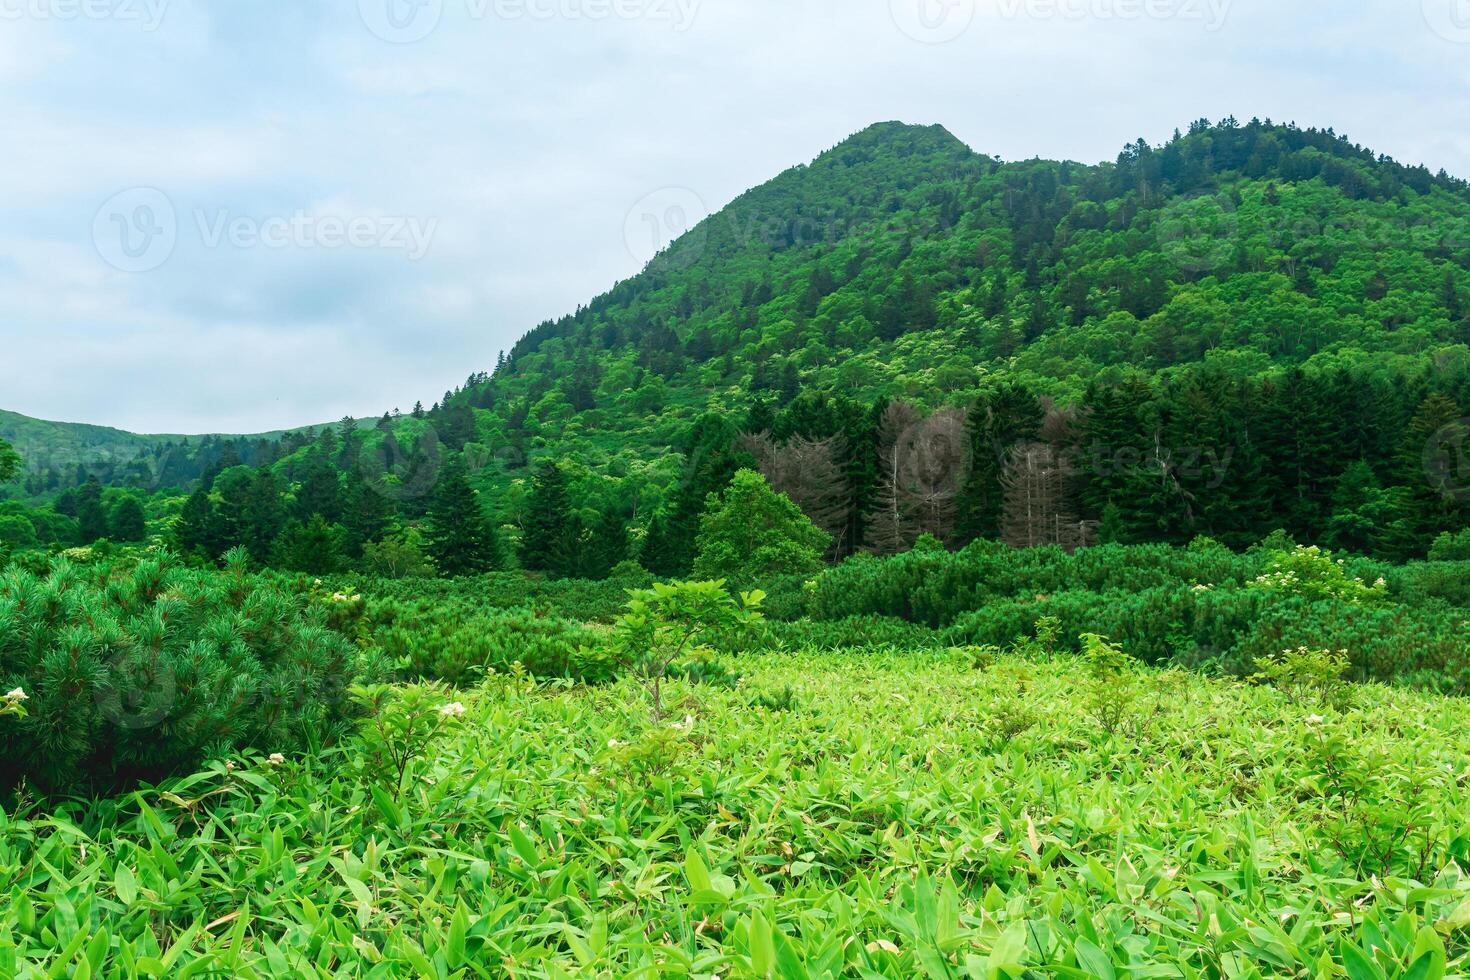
<point x="246" y="215"/>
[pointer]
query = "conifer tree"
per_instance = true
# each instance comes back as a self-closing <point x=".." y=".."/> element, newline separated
<point x="1005" y="415"/>
<point x="263" y="515"/>
<point x="128" y="521"/>
<point x="9" y="462"/>
<point x="313" y="546"/>
<point x="712" y="460"/>
<point x="91" y="515"/>
<point x="460" y="538"/>
<point x="320" y="491"/>
<point x="197" y="530"/>
<point x="548" y="520"/>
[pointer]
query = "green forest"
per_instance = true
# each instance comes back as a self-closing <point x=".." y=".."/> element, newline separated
<point x="929" y="565"/>
<point x="1250" y="328"/>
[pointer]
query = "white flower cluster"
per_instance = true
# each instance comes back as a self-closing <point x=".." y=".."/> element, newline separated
<point x="11" y="706"/>
<point x="1278" y="579"/>
<point x="452" y="710"/>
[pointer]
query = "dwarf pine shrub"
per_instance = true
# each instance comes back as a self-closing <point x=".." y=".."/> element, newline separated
<point x="141" y="668"/>
<point x="457" y="643"/>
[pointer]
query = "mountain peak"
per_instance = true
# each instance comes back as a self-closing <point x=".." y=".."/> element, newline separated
<point x="901" y="137"/>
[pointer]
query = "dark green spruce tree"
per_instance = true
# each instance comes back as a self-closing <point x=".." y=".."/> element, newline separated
<point x="1005" y="415"/>
<point x="460" y="538"/>
<point x="545" y="543"/>
<point x="197" y="531"/>
<point x="128" y="521"/>
<point x="91" y="515"/>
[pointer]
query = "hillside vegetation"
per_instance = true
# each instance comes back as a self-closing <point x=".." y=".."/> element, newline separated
<point x="928" y="566"/>
<point x="1250" y="327"/>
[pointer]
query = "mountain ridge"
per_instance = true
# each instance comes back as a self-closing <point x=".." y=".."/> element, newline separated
<point x="901" y="245"/>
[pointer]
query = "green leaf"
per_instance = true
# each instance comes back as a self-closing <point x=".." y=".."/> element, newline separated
<point x="1358" y="964"/>
<point x="525" y="847"/>
<point x="696" y="872"/>
<point x="390" y="810"/>
<point x="1010" y="948"/>
<point x="454" y="945"/>
<point x="762" y="945"/>
<point x="125" y="884"/>
<point x="1094" y="960"/>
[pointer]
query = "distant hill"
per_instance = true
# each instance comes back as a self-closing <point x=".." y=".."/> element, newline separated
<point x="115" y="455"/>
<point x="1307" y="297"/>
<point x="902" y="263"/>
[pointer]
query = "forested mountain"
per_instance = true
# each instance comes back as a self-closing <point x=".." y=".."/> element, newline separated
<point x="1253" y="326"/>
<point x="66" y="454"/>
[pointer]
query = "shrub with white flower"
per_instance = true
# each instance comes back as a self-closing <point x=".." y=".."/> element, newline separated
<point x="1307" y="675"/>
<point x="13" y="704"/>
<point x="1313" y="573"/>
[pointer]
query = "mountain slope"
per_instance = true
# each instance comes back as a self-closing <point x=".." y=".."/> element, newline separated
<point x="900" y="262"/>
<point x="114" y="455"/>
<point x="1275" y="298"/>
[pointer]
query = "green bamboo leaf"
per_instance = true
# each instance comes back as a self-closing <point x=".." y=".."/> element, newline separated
<point x="1358" y="964"/>
<point x="1094" y="960"/>
<point x="762" y="945"/>
<point x="696" y="872"/>
<point x="525" y="847"/>
<point x="454" y="946"/>
<point x="125" y="884"/>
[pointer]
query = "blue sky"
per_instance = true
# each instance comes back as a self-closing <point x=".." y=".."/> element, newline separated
<point x="240" y="215"/>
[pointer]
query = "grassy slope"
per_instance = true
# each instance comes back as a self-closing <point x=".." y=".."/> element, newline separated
<point x="905" y="820"/>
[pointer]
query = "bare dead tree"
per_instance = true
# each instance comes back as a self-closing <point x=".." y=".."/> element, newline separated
<point x="1031" y="487"/>
<point x="1037" y="510"/>
<point x="923" y="461"/>
<point x="939" y="448"/>
<point x="810" y="472"/>
<point x="892" y="526"/>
